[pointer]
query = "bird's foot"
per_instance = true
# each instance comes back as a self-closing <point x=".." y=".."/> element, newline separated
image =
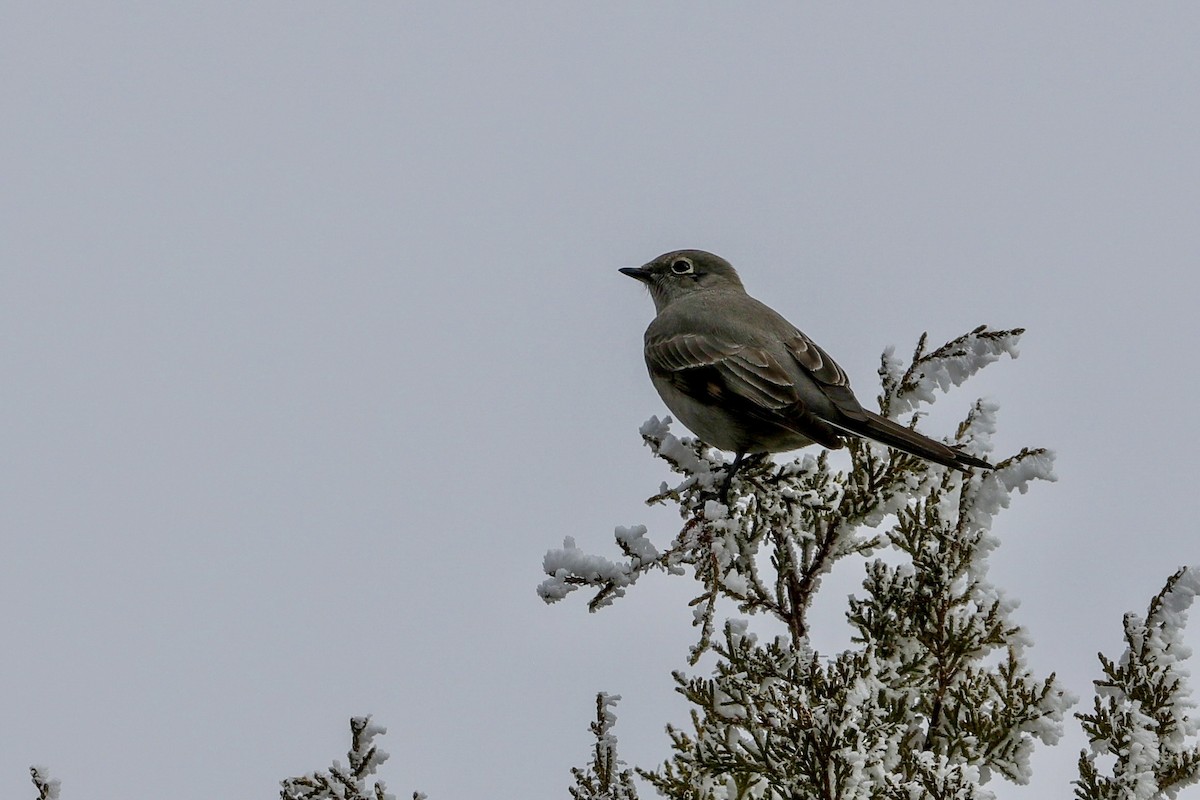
<point x="729" y="473"/>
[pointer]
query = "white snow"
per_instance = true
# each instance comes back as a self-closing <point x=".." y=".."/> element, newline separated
<point x="952" y="369"/>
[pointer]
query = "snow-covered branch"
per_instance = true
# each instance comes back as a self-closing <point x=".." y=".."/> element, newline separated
<point x="606" y="777"/>
<point x="1143" y="718"/>
<point x="906" y="389"/>
<point x="934" y="698"/>
<point x="346" y="782"/>
<point x="47" y="787"/>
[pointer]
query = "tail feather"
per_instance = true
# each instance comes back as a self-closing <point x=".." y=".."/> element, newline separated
<point x="892" y="434"/>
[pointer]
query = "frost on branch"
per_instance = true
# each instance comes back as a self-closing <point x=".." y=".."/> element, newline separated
<point x="1143" y="717"/>
<point x="570" y="568"/>
<point x="934" y="698"/>
<point x="604" y="778"/>
<point x="346" y="783"/>
<point x="780" y="721"/>
<point x="47" y="787"/>
<point x="950" y="365"/>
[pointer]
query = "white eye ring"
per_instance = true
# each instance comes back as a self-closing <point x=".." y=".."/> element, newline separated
<point x="681" y="266"/>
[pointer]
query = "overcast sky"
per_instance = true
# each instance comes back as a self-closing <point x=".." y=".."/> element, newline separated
<point x="313" y="343"/>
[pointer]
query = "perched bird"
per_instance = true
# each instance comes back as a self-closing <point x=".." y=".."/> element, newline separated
<point x="744" y="379"/>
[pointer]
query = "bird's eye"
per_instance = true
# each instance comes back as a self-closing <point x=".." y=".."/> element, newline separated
<point x="681" y="266"/>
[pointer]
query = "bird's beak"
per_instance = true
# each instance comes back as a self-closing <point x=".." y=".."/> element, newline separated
<point x="642" y="275"/>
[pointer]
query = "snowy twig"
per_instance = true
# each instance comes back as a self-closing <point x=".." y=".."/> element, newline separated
<point x="605" y="778"/>
<point x="47" y="787"/>
<point x="340" y="783"/>
<point x="1141" y="716"/>
<point x="949" y="365"/>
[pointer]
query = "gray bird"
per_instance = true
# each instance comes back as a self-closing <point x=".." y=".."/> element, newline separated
<point x="744" y="379"/>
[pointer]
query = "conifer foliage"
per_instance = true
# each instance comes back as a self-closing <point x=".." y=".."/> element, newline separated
<point x="933" y="699"/>
<point x="1143" y="718"/>
<point x="606" y="777"/>
<point x="346" y="782"/>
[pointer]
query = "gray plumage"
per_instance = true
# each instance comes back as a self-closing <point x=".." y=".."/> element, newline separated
<point x="744" y="379"/>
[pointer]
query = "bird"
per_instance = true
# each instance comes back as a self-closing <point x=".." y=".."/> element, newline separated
<point x="745" y="380"/>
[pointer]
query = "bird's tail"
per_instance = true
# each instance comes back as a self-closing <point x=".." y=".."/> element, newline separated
<point x="892" y="434"/>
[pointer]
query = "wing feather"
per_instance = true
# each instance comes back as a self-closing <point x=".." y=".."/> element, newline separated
<point x="830" y="378"/>
<point x="719" y="372"/>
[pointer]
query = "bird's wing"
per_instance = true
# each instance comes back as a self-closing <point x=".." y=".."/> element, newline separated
<point x="833" y="382"/>
<point x="827" y="376"/>
<point x="748" y="379"/>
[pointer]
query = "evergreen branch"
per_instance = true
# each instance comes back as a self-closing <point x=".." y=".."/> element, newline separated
<point x="604" y="778"/>
<point x="919" y="706"/>
<point x="338" y="783"/>
<point x="47" y="788"/>
<point x="1140" y="713"/>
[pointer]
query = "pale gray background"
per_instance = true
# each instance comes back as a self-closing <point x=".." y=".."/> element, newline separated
<point x="313" y="343"/>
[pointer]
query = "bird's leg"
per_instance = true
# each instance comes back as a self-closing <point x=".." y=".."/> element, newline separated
<point x="729" y="471"/>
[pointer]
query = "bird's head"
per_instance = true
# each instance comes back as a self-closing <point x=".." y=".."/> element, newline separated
<point x="681" y="272"/>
